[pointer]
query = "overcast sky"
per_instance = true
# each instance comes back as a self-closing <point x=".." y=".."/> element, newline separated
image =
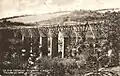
<point x="20" y="7"/>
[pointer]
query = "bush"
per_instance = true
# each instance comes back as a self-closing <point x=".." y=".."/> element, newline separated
<point x="60" y="67"/>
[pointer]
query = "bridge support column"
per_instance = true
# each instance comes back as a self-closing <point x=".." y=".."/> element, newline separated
<point x="53" y="42"/>
<point x="54" y="46"/>
<point x="44" y="46"/>
<point x="78" y="37"/>
<point x="64" y="38"/>
<point x="65" y="42"/>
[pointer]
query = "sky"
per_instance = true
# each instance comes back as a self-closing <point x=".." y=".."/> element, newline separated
<point x="20" y="7"/>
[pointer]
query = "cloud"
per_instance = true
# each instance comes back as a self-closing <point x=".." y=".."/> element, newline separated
<point x="18" y="7"/>
<point x="63" y="2"/>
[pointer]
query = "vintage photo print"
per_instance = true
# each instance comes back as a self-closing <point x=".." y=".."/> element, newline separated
<point x="59" y="38"/>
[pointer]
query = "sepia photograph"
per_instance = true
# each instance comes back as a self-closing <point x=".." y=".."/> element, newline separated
<point x="59" y="38"/>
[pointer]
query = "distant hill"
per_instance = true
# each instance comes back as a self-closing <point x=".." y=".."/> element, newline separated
<point x="35" y="18"/>
<point x="58" y="17"/>
<point x="74" y="16"/>
<point x="110" y="10"/>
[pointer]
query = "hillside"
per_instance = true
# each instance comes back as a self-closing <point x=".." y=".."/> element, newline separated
<point x="60" y="18"/>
